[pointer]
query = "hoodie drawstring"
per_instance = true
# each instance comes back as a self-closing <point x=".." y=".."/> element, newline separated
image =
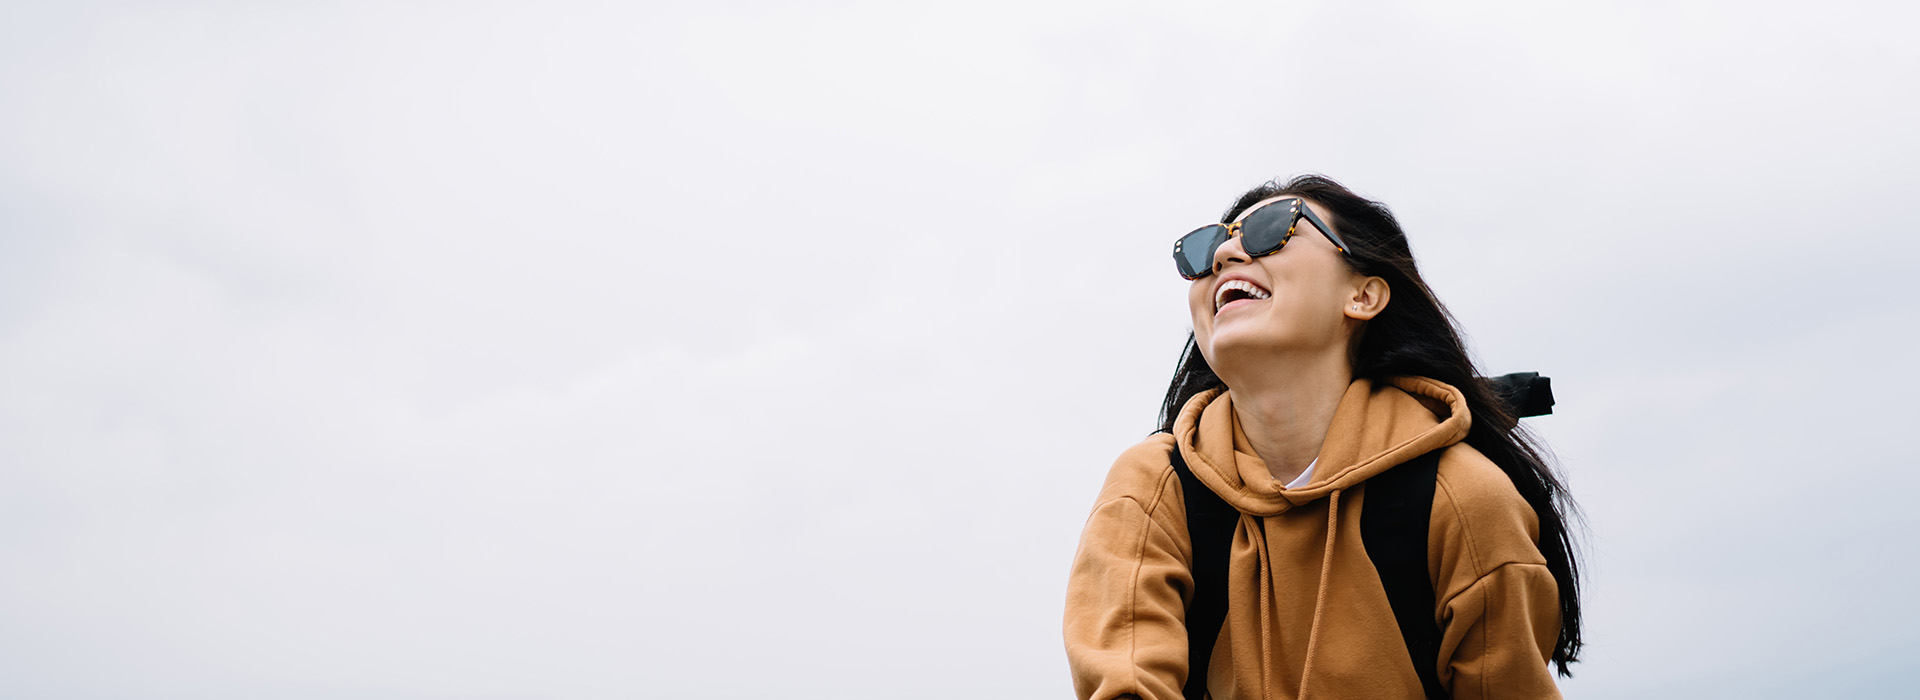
<point x="1320" y="596"/>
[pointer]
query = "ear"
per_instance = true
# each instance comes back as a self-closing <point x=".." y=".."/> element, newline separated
<point x="1368" y="299"/>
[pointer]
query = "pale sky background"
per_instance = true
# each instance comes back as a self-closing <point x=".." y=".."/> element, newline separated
<point x="710" y="350"/>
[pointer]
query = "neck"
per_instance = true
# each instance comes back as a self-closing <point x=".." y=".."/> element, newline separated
<point x="1286" y="410"/>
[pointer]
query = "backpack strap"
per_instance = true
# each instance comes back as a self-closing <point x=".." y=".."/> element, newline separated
<point x="1393" y="526"/>
<point x="1210" y="523"/>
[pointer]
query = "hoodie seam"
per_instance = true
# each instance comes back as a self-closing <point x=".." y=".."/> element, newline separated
<point x="1486" y="640"/>
<point x="1133" y="578"/>
<point x="1167" y="479"/>
<point x="1152" y="510"/>
<point x="1466" y="530"/>
<point x="1160" y="489"/>
<point x="1483" y="579"/>
<point x="1486" y="608"/>
<point x="1133" y="596"/>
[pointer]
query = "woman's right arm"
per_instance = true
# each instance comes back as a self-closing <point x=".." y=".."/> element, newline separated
<point x="1127" y="595"/>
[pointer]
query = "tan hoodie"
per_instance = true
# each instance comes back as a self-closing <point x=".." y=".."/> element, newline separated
<point x="1307" y="616"/>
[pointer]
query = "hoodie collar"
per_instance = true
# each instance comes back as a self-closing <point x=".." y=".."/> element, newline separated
<point x="1375" y="427"/>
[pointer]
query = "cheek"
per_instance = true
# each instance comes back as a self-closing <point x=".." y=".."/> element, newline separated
<point x="1200" y="303"/>
<point x="1306" y="302"/>
<point x="1200" y="306"/>
<point x="1314" y="306"/>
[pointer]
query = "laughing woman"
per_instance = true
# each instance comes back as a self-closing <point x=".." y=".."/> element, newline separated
<point x="1321" y="364"/>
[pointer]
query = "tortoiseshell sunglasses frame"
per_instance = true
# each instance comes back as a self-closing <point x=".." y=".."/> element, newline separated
<point x="1212" y="236"/>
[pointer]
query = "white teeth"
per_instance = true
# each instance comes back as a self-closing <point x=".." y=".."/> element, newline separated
<point x="1220" y="294"/>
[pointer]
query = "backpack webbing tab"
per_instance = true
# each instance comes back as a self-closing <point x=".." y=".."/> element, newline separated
<point x="1210" y="523"/>
<point x="1394" y="515"/>
<point x="1526" y="394"/>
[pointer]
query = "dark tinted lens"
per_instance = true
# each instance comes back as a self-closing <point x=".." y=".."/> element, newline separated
<point x="1193" y="253"/>
<point x="1265" y="230"/>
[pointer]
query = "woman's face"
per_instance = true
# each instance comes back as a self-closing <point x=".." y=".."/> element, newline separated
<point x="1309" y="304"/>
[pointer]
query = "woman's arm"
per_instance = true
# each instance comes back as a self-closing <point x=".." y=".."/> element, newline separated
<point x="1498" y="605"/>
<point x="1127" y="594"/>
<point x="1499" y="633"/>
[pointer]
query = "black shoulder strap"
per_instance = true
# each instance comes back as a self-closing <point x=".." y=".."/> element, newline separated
<point x="1210" y="523"/>
<point x="1393" y="525"/>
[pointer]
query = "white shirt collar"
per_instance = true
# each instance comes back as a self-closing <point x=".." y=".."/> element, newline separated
<point x="1305" y="477"/>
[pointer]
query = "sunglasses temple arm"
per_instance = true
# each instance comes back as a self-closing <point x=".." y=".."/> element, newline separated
<point x="1326" y="230"/>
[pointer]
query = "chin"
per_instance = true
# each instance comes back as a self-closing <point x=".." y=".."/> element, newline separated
<point x="1238" y="341"/>
<point x="1251" y="339"/>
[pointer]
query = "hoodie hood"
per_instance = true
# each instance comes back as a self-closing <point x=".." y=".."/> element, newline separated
<point x="1308" y="616"/>
<point x="1375" y="427"/>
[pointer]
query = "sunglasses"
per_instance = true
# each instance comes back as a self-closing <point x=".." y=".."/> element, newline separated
<point x="1263" y="232"/>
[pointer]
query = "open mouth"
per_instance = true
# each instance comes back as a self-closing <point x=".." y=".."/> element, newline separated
<point x="1236" y="290"/>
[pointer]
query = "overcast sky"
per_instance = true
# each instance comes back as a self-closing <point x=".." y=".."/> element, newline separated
<point x="614" y="350"/>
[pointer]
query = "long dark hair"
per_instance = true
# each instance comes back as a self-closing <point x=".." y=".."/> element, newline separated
<point x="1415" y="335"/>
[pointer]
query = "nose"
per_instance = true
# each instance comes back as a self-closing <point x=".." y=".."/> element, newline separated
<point x="1229" y="252"/>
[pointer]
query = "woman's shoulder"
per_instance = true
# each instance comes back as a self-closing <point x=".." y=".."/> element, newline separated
<point x="1477" y="510"/>
<point x="1144" y="473"/>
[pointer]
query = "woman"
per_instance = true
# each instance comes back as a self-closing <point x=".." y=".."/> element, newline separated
<point x="1319" y="359"/>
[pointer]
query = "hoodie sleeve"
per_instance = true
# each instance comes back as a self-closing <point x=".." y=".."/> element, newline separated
<point x="1499" y="634"/>
<point x="1126" y="597"/>
<point x="1498" y="605"/>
